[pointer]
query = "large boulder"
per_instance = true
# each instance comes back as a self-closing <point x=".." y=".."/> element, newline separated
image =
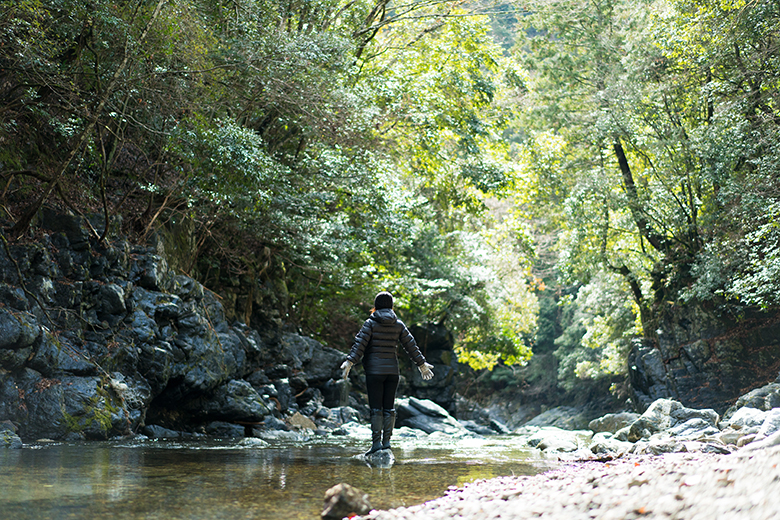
<point x="771" y="423"/>
<point x="425" y="415"/>
<point x="565" y="417"/>
<point x="745" y="417"/>
<point x="552" y="439"/>
<point x="665" y="414"/>
<point x="612" y="422"/>
<point x="54" y="408"/>
<point x="303" y="354"/>
<point x="763" y="398"/>
<point x="235" y="401"/>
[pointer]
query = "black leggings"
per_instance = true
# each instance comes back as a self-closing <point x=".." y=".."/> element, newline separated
<point x="381" y="391"/>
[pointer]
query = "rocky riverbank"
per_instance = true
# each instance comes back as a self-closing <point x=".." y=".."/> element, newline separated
<point x="102" y="339"/>
<point x="691" y="486"/>
<point x="669" y="462"/>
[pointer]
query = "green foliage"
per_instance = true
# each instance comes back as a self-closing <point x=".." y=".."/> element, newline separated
<point x="647" y="135"/>
<point x="323" y="151"/>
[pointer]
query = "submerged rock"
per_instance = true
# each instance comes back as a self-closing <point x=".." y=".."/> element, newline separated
<point x="158" y="432"/>
<point x="380" y="459"/>
<point x="225" y="430"/>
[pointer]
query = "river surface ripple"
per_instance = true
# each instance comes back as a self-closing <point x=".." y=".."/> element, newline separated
<point x="147" y="479"/>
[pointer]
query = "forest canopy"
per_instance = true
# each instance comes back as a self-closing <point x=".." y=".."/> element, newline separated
<point x="534" y="176"/>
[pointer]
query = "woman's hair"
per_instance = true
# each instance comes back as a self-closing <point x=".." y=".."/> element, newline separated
<point x="383" y="300"/>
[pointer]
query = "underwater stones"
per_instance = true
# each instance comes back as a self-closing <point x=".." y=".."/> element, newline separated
<point x="154" y="431"/>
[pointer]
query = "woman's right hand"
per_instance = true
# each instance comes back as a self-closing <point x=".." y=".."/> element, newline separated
<point x="346" y="366"/>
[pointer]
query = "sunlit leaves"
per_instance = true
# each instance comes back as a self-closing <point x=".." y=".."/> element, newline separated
<point x="329" y="149"/>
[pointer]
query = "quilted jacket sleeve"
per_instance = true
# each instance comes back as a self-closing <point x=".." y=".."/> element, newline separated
<point x="361" y="342"/>
<point x="410" y="346"/>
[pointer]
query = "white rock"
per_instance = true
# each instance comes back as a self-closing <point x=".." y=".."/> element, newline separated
<point x="746" y="417"/>
<point x="771" y="423"/>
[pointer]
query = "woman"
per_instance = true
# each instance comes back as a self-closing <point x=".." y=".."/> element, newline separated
<point x="376" y="345"/>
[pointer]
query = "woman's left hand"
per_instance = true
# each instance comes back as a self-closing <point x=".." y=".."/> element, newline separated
<point x="426" y="371"/>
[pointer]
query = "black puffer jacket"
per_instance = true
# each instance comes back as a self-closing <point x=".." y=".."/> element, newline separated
<point x="376" y="344"/>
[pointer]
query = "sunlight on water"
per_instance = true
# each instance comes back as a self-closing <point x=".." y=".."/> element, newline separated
<point x="232" y="479"/>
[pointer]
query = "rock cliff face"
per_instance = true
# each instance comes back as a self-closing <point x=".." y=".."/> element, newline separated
<point x="704" y="360"/>
<point x="98" y="339"/>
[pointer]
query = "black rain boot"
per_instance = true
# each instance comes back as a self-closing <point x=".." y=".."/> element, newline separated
<point x="376" y="431"/>
<point x="387" y="429"/>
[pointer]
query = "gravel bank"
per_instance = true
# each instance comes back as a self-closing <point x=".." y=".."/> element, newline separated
<point x="744" y="485"/>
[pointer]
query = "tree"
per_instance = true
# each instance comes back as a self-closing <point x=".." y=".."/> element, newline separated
<point x="635" y="125"/>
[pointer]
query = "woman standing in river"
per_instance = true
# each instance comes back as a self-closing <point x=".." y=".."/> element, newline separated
<point x="376" y="345"/>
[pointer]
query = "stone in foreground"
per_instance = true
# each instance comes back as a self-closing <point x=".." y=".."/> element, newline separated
<point x="344" y="500"/>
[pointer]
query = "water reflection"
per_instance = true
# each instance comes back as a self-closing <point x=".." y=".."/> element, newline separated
<point x="216" y="480"/>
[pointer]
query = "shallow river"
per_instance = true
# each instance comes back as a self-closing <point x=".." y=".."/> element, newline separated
<point x="234" y="480"/>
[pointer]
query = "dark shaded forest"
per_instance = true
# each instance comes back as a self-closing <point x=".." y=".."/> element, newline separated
<point x="552" y="179"/>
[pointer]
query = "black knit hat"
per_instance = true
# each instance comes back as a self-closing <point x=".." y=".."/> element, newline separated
<point x="383" y="300"/>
